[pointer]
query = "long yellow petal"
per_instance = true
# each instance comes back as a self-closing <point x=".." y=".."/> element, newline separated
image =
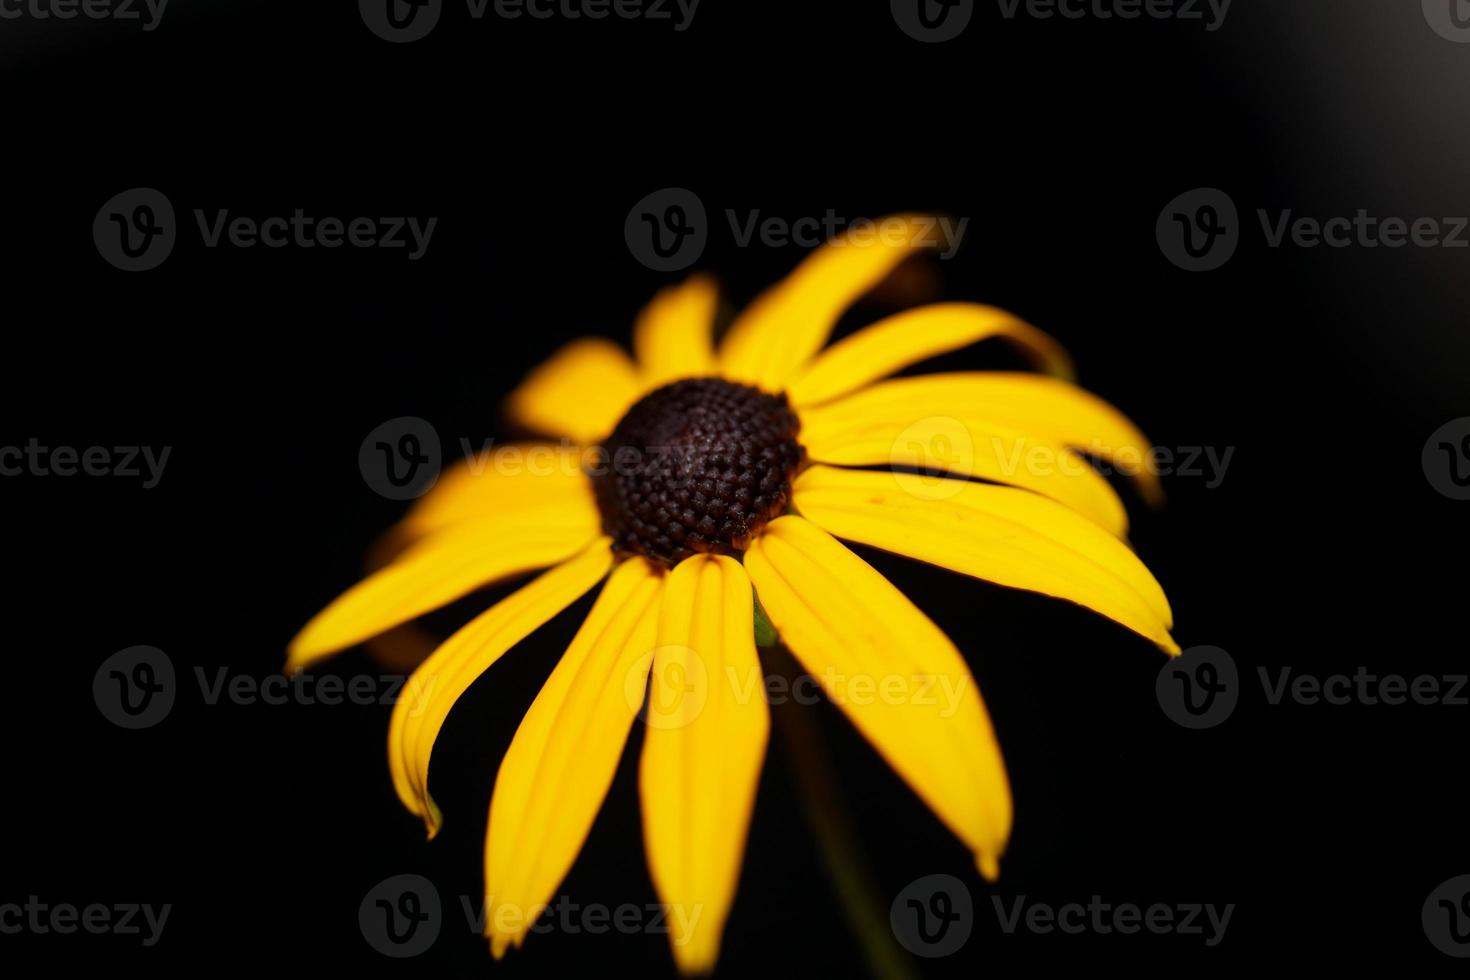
<point x="892" y="672"/>
<point x="579" y="393"/>
<point x="518" y="476"/>
<point x="443" y="567"/>
<point x="999" y="534"/>
<point x="892" y="344"/>
<point x="968" y="448"/>
<point x="707" y="730"/>
<point x="1047" y="408"/>
<point x="439" y="681"/>
<point x="770" y="342"/>
<point x="561" y="762"/>
<point x="672" y="338"/>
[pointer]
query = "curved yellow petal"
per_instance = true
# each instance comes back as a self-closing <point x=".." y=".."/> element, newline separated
<point x="770" y="342"/>
<point x="673" y="336"/>
<point x="518" y="476"/>
<point x="707" y="730"/>
<point x="892" y="672"/>
<point x="562" y="760"/>
<point x="442" y="567"/>
<point x="1043" y="407"/>
<point x="439" y="681"/>
<point x="910" y="337"/>
<point x="999" y="534"/>
<point x="579" y="393"/>
<point x="968" y="448"/>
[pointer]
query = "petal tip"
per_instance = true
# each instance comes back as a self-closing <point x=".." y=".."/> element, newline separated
<point x="988" y="865"/>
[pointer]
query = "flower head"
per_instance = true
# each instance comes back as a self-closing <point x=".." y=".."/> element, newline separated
<point x="698" y="480"/>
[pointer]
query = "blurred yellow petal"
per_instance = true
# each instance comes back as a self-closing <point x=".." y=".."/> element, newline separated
<point x="773" y="339"/>
<point x="443" y="567"/>
<point x="506" y="479"/>
<point x="561" y="762"/>
<point x="895" y="343"/>
<point x="892" y="672"/>
<point x="672" y="337"/>
<point x="1047" y="408"/>
<point x="706" y="740"/>
<point x="580" y="393"/>
<point x="999" y="534"/>
<point x="439" y="681"/>
<point x="967" y="448"/>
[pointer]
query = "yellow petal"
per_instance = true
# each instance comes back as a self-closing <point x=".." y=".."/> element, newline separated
<point x="907" y="338"/>
<point x="999" y="534"/>
<point x="439" y="681"/>
<point x="772" y="340"/>
<point x="1047" y="408"/>
<point x="672" y="337"/>
<point x="443" y="567"/>
<point x="892" y="672"/>
<point x="561" y="762"/>
<point x="966" y="448"/>
<point x="580" y="393"/>
<point x="515" y="477"/>
<point x="707" y="729"/>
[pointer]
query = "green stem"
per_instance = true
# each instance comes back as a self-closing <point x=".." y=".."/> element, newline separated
<point x="831" y="825"/>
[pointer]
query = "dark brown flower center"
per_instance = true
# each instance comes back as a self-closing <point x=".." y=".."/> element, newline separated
<point x="696" y="466"/>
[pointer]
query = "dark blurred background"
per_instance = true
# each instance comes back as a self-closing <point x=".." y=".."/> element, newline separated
<point x="1324" y="548"/>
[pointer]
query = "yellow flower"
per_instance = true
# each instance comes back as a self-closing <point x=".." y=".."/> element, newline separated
<point x="710" y="494"/>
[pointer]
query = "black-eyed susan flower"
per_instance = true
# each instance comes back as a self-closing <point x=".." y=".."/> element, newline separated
<point x="698" y="483"/>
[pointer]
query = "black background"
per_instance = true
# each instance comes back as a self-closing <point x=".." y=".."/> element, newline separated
<point x="1324" y="548"/>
